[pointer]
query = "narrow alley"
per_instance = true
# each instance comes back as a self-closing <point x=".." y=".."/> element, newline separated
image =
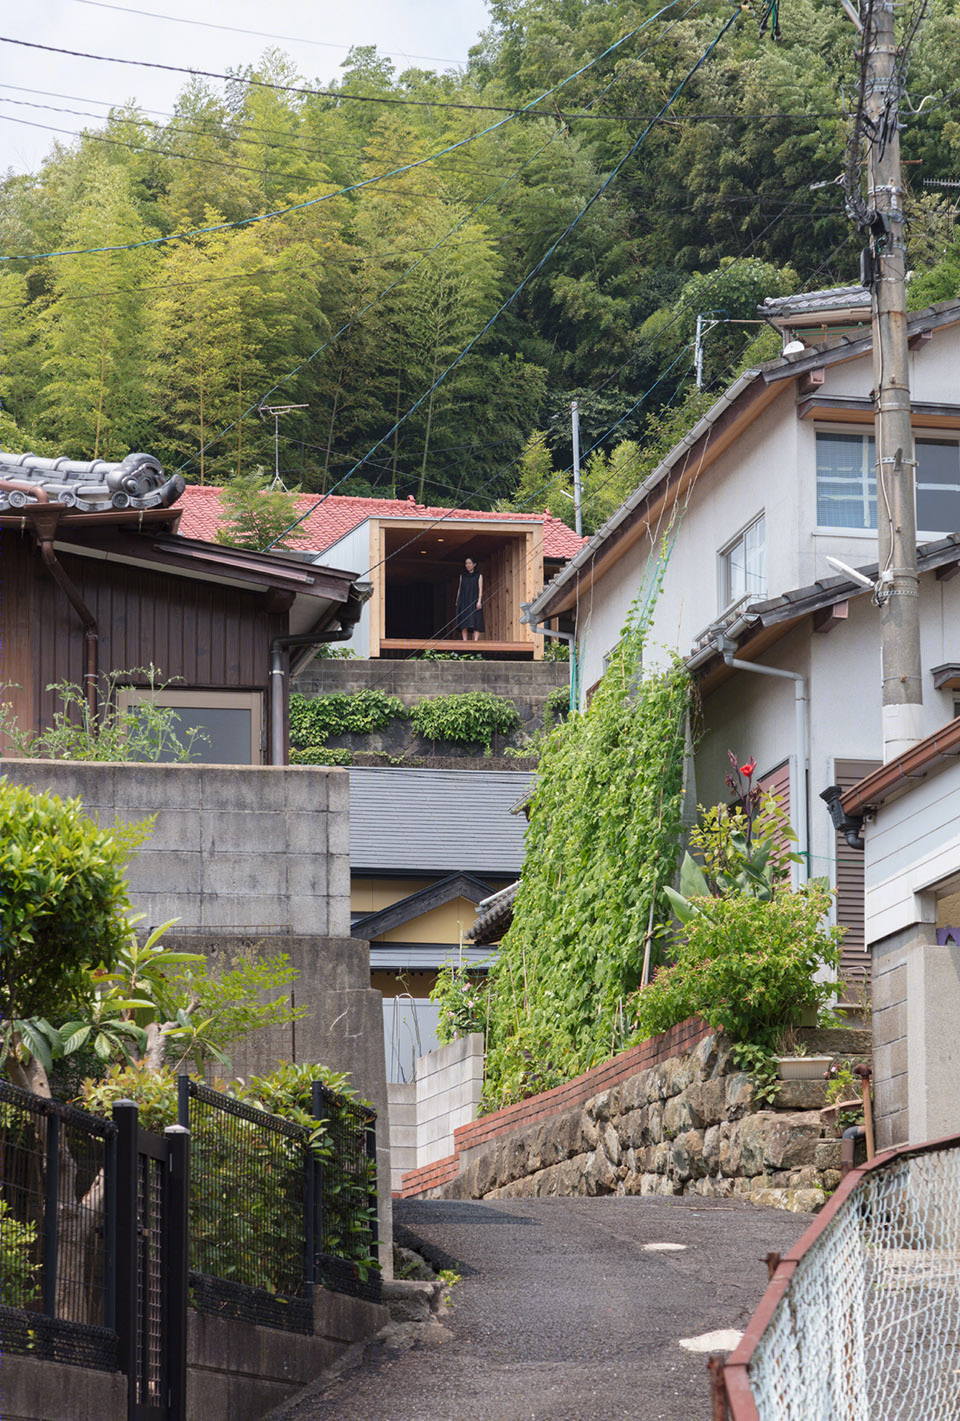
<point x="568" y="1309"/>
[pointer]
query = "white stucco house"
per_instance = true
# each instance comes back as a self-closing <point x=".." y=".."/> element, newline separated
<point x="909" y="817"/>
<point x="738" y="521"/>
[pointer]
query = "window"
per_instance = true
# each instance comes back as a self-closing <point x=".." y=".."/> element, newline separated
<point x="847" y="488"/>
<point x="229" y="720"/>
<point x="741" y="565"/>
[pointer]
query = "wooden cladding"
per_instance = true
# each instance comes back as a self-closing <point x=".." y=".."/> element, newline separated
<point x="198" y="632"/>
<point x="406" y="610"/>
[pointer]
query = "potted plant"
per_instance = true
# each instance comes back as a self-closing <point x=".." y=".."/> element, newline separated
<point x="793" y="1062"/>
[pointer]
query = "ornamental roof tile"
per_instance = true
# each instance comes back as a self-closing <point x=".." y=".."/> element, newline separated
<point x="337" y="515"/>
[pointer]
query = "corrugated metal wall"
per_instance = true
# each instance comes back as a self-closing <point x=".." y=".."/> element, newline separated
<point x="850" y="900"/>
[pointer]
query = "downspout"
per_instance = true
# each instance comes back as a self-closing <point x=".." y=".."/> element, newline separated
<point x="281" y="645"/>
<point x="800" y="714"/>
<point x="571" y="639"/>
<point x="278" y="676"/>
<point x="44" y="523"/>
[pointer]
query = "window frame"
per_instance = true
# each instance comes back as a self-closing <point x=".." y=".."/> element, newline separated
<point x="865" y="434"/>
<point x="197" y="698"/>
<point x="726" y="597"/>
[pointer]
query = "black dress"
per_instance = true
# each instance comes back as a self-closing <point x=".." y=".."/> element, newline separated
<point x="469" y="615"/>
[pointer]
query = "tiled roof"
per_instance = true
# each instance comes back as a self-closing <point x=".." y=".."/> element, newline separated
<point x="435" y="821"/>
<point x="338" y="515"/>
<point x="835" y="298"/>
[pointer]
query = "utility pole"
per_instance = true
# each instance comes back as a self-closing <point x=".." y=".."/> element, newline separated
<point x="577" y="492"/>
<point x="898" y="586"/>
<point x="704" y="324"/>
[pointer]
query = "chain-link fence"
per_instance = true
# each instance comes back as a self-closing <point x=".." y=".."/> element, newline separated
<point x="57" y="1231"/>
<point x="862" y="1320"/>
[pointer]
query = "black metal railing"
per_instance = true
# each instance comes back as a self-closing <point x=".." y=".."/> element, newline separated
<point x="58" y="1206"/>
<point x="101" y="1221"/>
<point x="346" y="1226"/>
<point x="248" y="1202"/>
<point x="276" y="1207"/>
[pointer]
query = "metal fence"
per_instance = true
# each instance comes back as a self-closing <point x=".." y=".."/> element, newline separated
<point x="346" y="1194"/>
<point x="58" y="1207"/>
<point x="248" y="1210"/>
<point x="277" y="1207"/>
<point x="862" y="1319"/>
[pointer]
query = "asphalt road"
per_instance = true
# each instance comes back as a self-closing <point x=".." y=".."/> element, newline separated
<point x="565" y="1314"/>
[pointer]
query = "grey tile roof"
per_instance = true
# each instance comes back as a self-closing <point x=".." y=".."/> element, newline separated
<point x="494" y="919"/>
<point x="435" y="821"/>
<point x="835" y="298"/>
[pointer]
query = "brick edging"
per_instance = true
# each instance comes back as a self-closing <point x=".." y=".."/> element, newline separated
<point x="656" y="1049"/>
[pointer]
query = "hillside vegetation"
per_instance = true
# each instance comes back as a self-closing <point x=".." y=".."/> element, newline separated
<point x="357" y="303"/>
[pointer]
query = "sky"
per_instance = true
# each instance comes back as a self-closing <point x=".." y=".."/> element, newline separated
<point x="315" y="34"/>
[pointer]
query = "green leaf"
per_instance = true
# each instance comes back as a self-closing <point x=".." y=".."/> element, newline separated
<point x="693" y="884"/>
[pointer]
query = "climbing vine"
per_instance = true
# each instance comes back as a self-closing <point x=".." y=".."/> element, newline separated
<point x="603" y="841"/>
<point x="313" y="719"/>
<point x="470" y="718"/>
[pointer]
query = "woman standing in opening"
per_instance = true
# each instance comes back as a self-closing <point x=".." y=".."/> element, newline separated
<point x="470" y="601"/>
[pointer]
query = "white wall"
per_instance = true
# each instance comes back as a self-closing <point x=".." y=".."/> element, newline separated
<point x="352" y="553"/>
<point x="425" y="1112"/>
<point x="770" y="469"/>
<point x="912" y="848"/>
<point x="754" y="715"/>
<point x="449" y="1086"/>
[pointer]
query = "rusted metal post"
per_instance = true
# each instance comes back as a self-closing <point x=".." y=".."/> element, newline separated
<point x="718" y="1393"/>
<point x="864" y="1072"/>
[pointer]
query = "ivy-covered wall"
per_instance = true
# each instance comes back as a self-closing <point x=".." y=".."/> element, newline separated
<point x="603" y="843"/>
<point x="346" y="712"/>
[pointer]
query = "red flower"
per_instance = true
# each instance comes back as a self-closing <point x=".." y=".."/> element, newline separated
<point x="748" y="768"/>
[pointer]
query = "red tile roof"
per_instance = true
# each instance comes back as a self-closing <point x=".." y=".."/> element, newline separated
<point x="338" y="515"/>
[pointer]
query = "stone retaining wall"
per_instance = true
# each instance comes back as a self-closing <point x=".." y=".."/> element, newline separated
<point x="527" y="683"/>
<point x="688" y="1124"/>
<point x="551" y="1103"/>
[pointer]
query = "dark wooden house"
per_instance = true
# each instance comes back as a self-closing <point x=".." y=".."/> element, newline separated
<point x="103" y="584"/>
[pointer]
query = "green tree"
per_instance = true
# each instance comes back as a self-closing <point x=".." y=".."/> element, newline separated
<point x="63" y="895"/>
<point x="93" y="332"/>
<point x="257" y="515"/>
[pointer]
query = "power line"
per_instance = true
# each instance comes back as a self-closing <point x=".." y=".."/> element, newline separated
<point x="352" y="187"/>
<point x="257" y="34"/>
<point x="396" y="101"/>
<point x="547" y="255"/>
<point x="395" y="283"/>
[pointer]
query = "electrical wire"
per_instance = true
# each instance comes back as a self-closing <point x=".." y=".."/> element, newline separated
<point x="352" y="187"/>
<point x="257" y="34"/>
<point x="431" y="103"/>
<point x="546" y="256"/>
<point x="353" y="320"/>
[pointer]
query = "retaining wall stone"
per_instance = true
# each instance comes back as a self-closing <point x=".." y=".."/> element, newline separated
<point x="687" y="1125"/>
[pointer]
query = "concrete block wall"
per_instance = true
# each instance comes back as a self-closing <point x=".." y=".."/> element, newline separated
<point x="38" y="1390"/>
<point x="425" y="1113"/>
<point x="449" y="1085"/>
<point x="242" y="1371"/>
<point x="890" y="1060"/>
<point x="251" y="848"/>
<point x="234" y="1369"/>
<point x="252" y="860"/>
<point x="403" y="1130"/>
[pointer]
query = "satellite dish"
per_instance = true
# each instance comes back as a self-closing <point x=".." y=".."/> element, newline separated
<point x="794" y="348"/>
